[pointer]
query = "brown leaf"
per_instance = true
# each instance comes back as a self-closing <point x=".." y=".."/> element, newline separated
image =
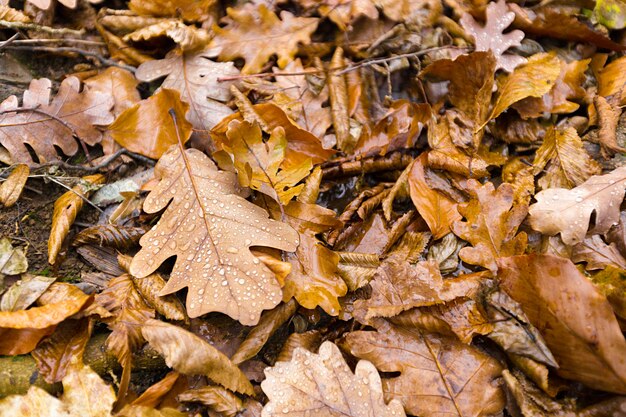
<point x="190" y="355"/>
<point x="210" y="228"/>
<point x="216" y="398"/>
<point x="438" y="374"/>
<point x="519" y="174"/>
<point x="188" y="38"/>
<point x="195" y="77"/>
<point x="196" y="10"/>
<point x="357" y="269"/>
<point x="310" y="341"/>
<point x="608" y="119"/>
<point x="155" y="393"/>
<point x="257" y="34"/>
<point x="12" y="187"/>
<point x="491" y="223"/>
<point x="120" y="83"/>
<point x="563" y="160"/>
<point x="66" y="208"/>
<point x="148" y="129"/>
<point x="568" y="212"/>
<point x="491" y="36"/>
<point x="24" y="292"/>
<point x="584" y="336"/>
<point x="112" y="235"/>
<point x="323" y="383"/>
<point x="611" y="81"/>
<point x="338" y="91"/>
<point x="597" y="254"/>
<point x="13" y="261"/>
<point x="533" y="79"/>
<point x="169" y="306"/>
<point x="44" y="124"/>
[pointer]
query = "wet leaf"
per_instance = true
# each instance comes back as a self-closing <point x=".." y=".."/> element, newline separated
<point x="45" y="124"/>
<point x="491" y="223"/>
<point x="584" y="336"/>
<point x="257" y="34"/>
<point x="66" y="208"/>
<point x="205" y="205"/>
<point x="11" y="188"/>
<point x="120" y="83"/>
<point x="357" y="269"/>
<point x="324" y="383"/>
<point x="569" y="211"/>
<point x="155" y="393"/>
<point x="190" y="355"/>
<point x="608" y="120"/>
<point x="611" y="80"/>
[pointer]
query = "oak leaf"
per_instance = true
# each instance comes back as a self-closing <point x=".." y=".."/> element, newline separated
<point x="568" y="212"/>
<point x="12" y="187"/>
<point x="491" y="37"/>
<point x="491" y="222"/>
<point x="584" y="336"/>
<point x="439" y="375"/>
<point x="194" y="10"/>
<point x="323" y="384"/>
<point x="44" y="124"/>
<point x="120" y="83"/>
<point x="597" y="254"/>
<point x="256" y="35"/>
<point x="195" y="77"/>
<point x="210" y="227"/>
<point x="191" y="355"/>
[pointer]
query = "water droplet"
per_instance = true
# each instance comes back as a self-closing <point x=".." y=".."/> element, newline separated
<point x="224" y="283"/>
<point x="579" y="199"/>
<point x="232" y="250"/>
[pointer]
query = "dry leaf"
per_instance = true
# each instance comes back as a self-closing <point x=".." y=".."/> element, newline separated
<point x="24" y="292"/>
<point x="45" y="4"/>
<point x="256" y="35"/>
<point x="148" y="128"/>
<point x="597" y="254"/>
<point x="608" y="120"/>
<point x="338" y="91"/>
<point x="584" y="335"/>
<point x="120" y="83"/>
<point x="195" y="77"/>
<point x="439" y="375"/>
<point x="190" y="355"/>
<point x="189" y="38"/>
<point x="357" y="269"/>
<point x="118" y="237"/>
<point x="44" y="124"/>
<point x="210" y="228"/>
<point x="491" y="37"/>
<point x="491" y="222"/>
<point x="195" y="10"/>
<point x="563" y="160"/>
<point x="568" y="212"/>
<point x="12" y="187"/>
<point x="9" y="14"/>
<point x="323" y="384"/>
<point x="12" y="260"/>
<point x="153" y="396"/>
<point x="66" y="208"/>
<point x="216" y="398"/>
<point x="611" y="81"/>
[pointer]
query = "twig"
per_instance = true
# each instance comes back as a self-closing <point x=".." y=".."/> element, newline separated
<point x="91" y="169"/>
<point x="103" y="60"/>
<point x="47" y="29"/>
<point x="68" y="40"/>
<point x="12" y="39"/>
<point x="54" y="180"/>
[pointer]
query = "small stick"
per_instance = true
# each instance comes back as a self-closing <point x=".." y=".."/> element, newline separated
<point x="47" y="29"/>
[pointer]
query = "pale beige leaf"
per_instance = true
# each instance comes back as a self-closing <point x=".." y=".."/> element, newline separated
<point x="24" y="292"/>
<point x="13" y="261"/>
<point x="85" y="394"/>
<point x="9" y="14"/>
<point x="322" y="384"/>
<point x="216" y="398"/>
<point x="191" y="355"/>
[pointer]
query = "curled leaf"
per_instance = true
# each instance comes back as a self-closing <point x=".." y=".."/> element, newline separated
<point x="12" y="187"/>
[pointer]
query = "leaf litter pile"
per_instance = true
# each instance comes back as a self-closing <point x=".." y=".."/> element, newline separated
<point x="313" y="208"/>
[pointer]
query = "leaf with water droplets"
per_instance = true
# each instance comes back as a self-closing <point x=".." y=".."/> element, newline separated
<point x="210" y="227"/>
<point x="569" y="211"/>
<point x="322" y="384"/>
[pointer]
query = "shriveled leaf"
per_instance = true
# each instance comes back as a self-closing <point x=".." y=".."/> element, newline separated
<point x="533" y="79"/>
<point x="148" y="129"/>
<point x="169" y="306"/>
<point x="190" y="355"/>
<point x="597" y="254"/>
<point x="608" y="121"/>
<point x="189" y="38"/>
<point x="216" y="398"/>
<point x="569" y="211"/>
<point x="310" y="341"/>
<point x="66" y="208"/>
<point x="257" y="34"/>
<point x="563" y="160"/>
<point x="357" y="269"/>
<point x="12" y="187"/>
<point x="194" y="76"/>
<point x="338" y="91"/>
<point x="491" y="36"/>
<point x="584" y="336"/>
<point x="611" y="81"/>
<point x="210" y="228"/>
<point x="439" y="375"/>
<point x="45" y="124"/>
<point x="24" y="292"/>
<point x="119" y="237"/>
<point x="155" y="393"/>
<point x="446" y="253"/>
<point x="323" y="383"/>
<point x="491" y="223"/>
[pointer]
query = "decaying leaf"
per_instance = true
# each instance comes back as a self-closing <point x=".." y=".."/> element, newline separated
<point x="66" y="208"/>
<point x="12" y="187"/>
<point x="210" y="228"/>
<point x="189" y="38"/>
<point x="439" y="375"/>
<point x="44" y="124"/>
<point x="568" y="212"/>
<point x="357" y="269"/>
<point x="24" y="292"/>
<point x="492" y="220"/>
<point x="197" y="10"/>
<point x="323" y="383"/>
<point x="12" y="260"/>
<point x="597" y="254"/>
<point x="119" y="237"/>
<point x="338" y="92"/>
<point x="190" y="355"/>
<point x="216" y="398"/>
<point x="9" y="14"/>
<point x="584" y="335"/>
<point x="256" y="35"/>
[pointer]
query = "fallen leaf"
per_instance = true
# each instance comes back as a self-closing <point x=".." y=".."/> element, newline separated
<point x="491" y="37"/>
<point x="357" y="269"/>
<point x="111" y="235"/>
<point x="118" y="82"/>
<point x="216" y="398"/>
<point x="195" y="77"/>
<point x="439" y="375"/>
<point x="205" y="206"/>
<point x="611" y="81"/>
<point x="611" y="282"/>
<point x="13" y="261"/>
<point x="196" y="10"/>
<point x="45" y="124"/>
<point x="563" y="160"/>
<point x="9" y="14"/>
<point x="12" y="187"/>
<point x="24" y="292"/>
<point x="491" y="223"/>
<point x="597" y="254"/>
<point x="188" y="38"/>
<point x="66" y="208"/>
<point x="446" y="253"/>
<point x="323" y="383"/>
<point x="608" y="120"/>
<point x="148" y="129"/>
<point x="568" y="212"/>
<point x="584" y="335"/>
<point x="152" y="396"/>
<point x="190" y="355"/>
<point x="257" y="34"/>
<point x="338" y="91"/>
